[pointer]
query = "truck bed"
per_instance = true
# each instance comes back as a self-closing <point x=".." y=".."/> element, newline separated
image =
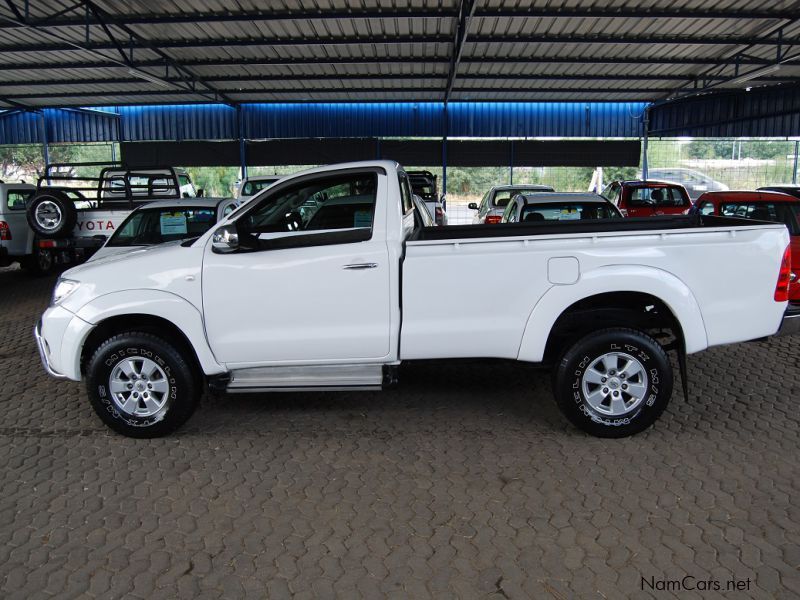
<point x="496" y="290"/>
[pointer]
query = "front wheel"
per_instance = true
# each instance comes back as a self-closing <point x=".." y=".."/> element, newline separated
<point x="140" y="385"/>
<point x="613" y="382"/>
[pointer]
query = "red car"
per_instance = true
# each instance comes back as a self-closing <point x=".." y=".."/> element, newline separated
<point x="762" y="206"/>
<point x="648" y="198"/>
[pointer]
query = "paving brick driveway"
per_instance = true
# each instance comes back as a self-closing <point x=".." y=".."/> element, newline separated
<point x="465" y="482"/>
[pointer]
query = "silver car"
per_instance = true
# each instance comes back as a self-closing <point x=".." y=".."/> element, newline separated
<point x="558" y="206"/>
<point x="695" y="183"/>
<point x="494" y="202"/>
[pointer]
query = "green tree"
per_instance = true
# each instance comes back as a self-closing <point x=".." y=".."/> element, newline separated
<point x="21" y="162"/>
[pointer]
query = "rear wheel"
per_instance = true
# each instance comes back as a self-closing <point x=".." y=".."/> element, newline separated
<point x="613" y="382"/>
<point x="141" y="386"/>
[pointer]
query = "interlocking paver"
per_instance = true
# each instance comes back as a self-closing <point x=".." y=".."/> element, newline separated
<point x="464" y="482"/>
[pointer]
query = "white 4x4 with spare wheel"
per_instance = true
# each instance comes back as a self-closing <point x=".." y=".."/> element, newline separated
<point x="325" y="280"/>
<point x="76" y="206"/>
<point x="17" y="240"/>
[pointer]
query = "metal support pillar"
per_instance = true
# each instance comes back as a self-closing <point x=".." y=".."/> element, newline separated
<point x="45" y="145"/>
<point x="511" y="166"/>
<point x="444" y="153"/>
<point x="794" y="170"/>
<point x="646" y="125"/>
<point x="242" y="144"/>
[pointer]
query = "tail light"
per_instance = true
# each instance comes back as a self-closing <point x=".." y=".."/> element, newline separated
<point x="439" y="216"/>
<point x="493" y="219"/>
<point x="5" y="232"/>
<point x="784" y="278"/>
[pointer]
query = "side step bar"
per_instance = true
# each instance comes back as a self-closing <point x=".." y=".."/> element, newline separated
<point x="307" y="378"/>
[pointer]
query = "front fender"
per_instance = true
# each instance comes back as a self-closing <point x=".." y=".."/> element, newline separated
<point x="157" y="303"/>
<point x="615" y="278"/>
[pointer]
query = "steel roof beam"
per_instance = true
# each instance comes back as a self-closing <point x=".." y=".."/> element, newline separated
<point x="124" y="61"/>
<point x="145" y="44"/>
<point x="415" y="60"/>
<point x="384" y="77"/>
<point x="465" y="11"/>
<point x="349" y="89"/>
<point x="532" y="12"/>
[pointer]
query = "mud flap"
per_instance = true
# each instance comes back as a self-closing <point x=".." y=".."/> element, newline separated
<point x="684" y="371"/>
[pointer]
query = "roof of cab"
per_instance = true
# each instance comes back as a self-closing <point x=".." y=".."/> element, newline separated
<point x="185" y="203"/>
<point x="265" y="178"/>
<point x="521" y="186"/>
<point x="646" y="182"/>
<point x="546" y="197"/>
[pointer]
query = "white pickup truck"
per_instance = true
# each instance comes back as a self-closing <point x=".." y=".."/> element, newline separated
<point x="325" y="282"/>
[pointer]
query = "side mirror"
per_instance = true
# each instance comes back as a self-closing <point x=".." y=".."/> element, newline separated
<point x="201" y="192"/>
<point x="225" y="240"/>
<point x="472" y="206"/>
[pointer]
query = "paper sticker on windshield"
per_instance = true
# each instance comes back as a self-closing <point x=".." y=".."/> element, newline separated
<point x="362" y="218"/>
<point x="173" y="223"/>
<point x="569" y="214"/>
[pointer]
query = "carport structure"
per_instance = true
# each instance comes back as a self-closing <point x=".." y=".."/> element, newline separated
<point x="74" y="53"/>
<point x="445" y="69"/>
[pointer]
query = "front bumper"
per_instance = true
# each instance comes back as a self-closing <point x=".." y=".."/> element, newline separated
<point x="44" y="352"/>
<point x="791" y="321"/>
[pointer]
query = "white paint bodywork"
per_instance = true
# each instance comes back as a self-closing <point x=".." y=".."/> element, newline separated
<point x="299" y="307"/>
<point x="21" y="242"/>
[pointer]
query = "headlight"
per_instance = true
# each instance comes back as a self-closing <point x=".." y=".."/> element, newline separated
<point x="64" y="287"/>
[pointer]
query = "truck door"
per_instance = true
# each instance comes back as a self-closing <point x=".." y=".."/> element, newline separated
<point x="310" y="279"/>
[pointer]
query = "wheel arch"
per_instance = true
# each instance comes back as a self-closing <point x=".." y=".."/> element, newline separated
<point x="156" y="312"/>
<point x="144" y="323"/>
<point x="613" y="296"/>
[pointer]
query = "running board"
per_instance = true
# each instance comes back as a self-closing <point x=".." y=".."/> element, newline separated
<point x="308" y="378"/>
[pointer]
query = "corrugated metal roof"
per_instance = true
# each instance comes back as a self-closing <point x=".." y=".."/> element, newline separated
<point x="203" y="51"/>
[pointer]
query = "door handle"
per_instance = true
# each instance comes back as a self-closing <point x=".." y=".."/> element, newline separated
<point x="360" y="266"/>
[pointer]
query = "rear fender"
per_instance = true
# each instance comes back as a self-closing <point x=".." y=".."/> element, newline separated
<point x="615" y="278"/>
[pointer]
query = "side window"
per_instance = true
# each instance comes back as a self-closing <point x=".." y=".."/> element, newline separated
<point x="482" y="207"/>
<point x="405" y="193"/>
<point x="335" y="202"/>
<point x="640" y="197"/>
<point x="17" y="198"/>
<point x="612" y="193"/>
<point x="706" y="208"/>
<point x="510" y="213"/>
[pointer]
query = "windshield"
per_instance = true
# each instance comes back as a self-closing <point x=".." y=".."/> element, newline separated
<point x="567" y="211"/>
<point x="252" y="187"/>
<point x="657" y="197"/>
<point x="149" y="226"/>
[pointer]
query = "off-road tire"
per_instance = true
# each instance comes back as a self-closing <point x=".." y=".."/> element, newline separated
<point x="571" y="382"/>
<point x="182" y="395"/>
